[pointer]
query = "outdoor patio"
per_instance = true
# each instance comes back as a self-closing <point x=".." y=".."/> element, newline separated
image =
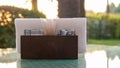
<point x="97" y="56"/>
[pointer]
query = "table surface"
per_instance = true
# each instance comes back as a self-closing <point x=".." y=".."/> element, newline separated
<point x="97" y="56"/>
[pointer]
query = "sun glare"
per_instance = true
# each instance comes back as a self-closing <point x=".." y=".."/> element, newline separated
<point x="8" y="65"/>
<point x="116" y="2"/>
<point x="96" y="5"/>
<point x="99" y="5"/>
<point x="17" y="3"/>
<point x="48" y="7"/>
<point x="115" y="63"/>
<point x="97" y="59"/>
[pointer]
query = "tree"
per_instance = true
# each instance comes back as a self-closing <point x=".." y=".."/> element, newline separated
<point x="112" y="8"/>
<point x="118" y="9"/>
<point x="34" y="5"/>
<point x="71" y="8"/>
<point x="108" y="9"/>
<point x="81" y="8"/>
<point x="66" y="8"/>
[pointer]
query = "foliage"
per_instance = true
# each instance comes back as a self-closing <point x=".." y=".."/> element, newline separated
<point x="25" y="12"/>
<point x="104" y="42"/>
<point x="101" y="26"/>
<point x="114" y="9"/>
<point x="7" y="28"/>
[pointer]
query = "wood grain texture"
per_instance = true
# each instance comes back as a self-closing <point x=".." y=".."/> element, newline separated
<point x="49" y="47"/>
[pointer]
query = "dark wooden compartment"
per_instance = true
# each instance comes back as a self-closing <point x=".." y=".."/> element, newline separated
<point x="49" y="47"/>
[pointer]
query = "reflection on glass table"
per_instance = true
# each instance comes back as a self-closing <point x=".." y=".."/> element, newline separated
<point x="95" y="57"/>
<point x="61" y="63"/>
<point x="47" y="64"/>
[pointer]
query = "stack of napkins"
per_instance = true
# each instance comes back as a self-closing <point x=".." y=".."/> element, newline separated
<point x="66" y="32"/>
<point x="61" y="32"/>
<point x="33" y="32"/>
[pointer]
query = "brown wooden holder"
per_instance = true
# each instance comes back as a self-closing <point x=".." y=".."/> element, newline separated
<point x="49" y="47"/>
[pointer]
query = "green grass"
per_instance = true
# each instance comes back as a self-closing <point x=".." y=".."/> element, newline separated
<point x="104" y="42"/>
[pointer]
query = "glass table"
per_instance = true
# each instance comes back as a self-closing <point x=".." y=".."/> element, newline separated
<point x="96" y="56"/>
